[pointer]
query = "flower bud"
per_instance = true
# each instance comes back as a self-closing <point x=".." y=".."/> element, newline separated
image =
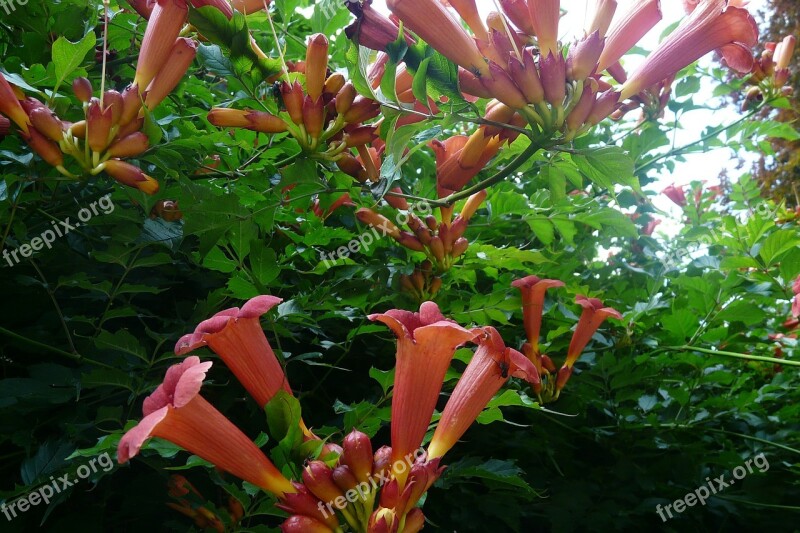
<point x="358" y="454"/>
<point x="235" y="509"/>
<point x="228" y="118"/>
<point x="180" y="58"/>
<point x="471" y="84"/>
<point x="82" y="88"/>
<point x="564" y="374"/>
<point x="554" y="78"/>
<point x="292" y="95"/>
<point x="547" y="363"/>
<point x="129" y="146"/>
<point x="459" y="247"/>
<point x="318" y="478"/>
<point x="345" y="98"/>
<point x="344" y="478"/>
<point x="351" y="166"/>
<point x="605" y="104"/>
<point x="303" y="503"/>
<point x="131" y="176"/>
<point x="410" y="241"/>
<point x="316" y="65"/>
<point x="583" y="56"/>
<point x="313" y="116"/>
<point x="361" y="135"/>
<point x="79" y="129"/>
<point x="131" y="104"/>
<point x="10" y="105"/>
<point x="415" y="520"/>
<point x="577" y="117"/>
<point x="361" y="110"/>
<point x="398" y="202"/>
<point x="303" y="524"/>
<point x="437" y="248"/>
<point x="46" y="149"/>
<point x="249" y="6"/>
<point x="517" y="12"/>
<point x="265" y="122"/>
<point x="167" y="210"/>
<point x="98" y="125"/>
<point x="431" y="222"/>
<point x="502" y="87"/>
<point x="378" y="221"/>
<point x="47" y="123"/>
<point x="333" y="84"/>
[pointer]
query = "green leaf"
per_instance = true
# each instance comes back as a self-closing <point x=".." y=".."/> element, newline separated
<point x="68" y="56"/>
<point x="777" y="244"/>
<point x="607" y="166"/>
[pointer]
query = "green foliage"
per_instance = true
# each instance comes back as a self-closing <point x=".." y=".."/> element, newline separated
<point x="654" y="407"/>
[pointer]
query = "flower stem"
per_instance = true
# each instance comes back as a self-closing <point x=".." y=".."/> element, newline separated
<point x="736" y="355"/>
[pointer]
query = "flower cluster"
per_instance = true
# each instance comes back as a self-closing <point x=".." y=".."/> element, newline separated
<point x="533" y="291"/>
<point x="369" y="491"/>
<point x="325" y="116"/>
<point x="770" y="74"/>
<point x="422" y="284"/>
<point x="191" y="503"/>
<point x="441" y="240"/>
<point x="516" y="58"/>
<point x="111" y="130"/>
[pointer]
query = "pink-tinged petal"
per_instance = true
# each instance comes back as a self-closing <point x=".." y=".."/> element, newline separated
<point x="593" y="315"/>
<point x="10" y="106"/>
<point x="176" y="412"/>
<point x="545" y="15"/>
<point x="603" y="15"/>
<point x="784" y="51"/>
<point x="165" y="393"/>
<point x="424" y="351"/>
<point x="189" y="342"/>
<point x="676" y="194"/>
<point x="640" y="17"/>
<point x="163" y="28"/>
<point x="522" y="367"/>
<point x="488" y="370"/>
<point x="583" y="56"/>
<point x="236" y="336"/>
<point x="130" y="443"/>
<point x="430" y="20"/>
<point x="517" y="12"/>
<point x="737" y="56"/>
<point x="533" y="293"/>
<point x="189" y="384"/>
<point x="255" y="307"/>
<point x="712" y="25"/>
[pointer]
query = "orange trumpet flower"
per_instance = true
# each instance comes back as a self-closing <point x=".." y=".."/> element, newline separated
<point x="176" y="412"/>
